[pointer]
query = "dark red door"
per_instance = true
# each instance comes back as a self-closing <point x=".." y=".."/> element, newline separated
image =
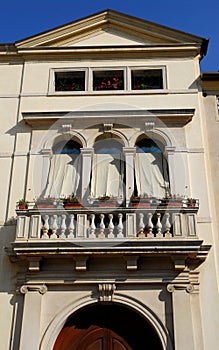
<point x="94" y="338"/>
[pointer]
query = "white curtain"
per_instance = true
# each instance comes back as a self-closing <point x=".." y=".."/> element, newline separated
<point x="64" y="175"/>
<point x="151" y="174"/>
<point x="107" y="175"/>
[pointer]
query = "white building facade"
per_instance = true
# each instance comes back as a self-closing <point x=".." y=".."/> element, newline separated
<point x="107" y="111"/>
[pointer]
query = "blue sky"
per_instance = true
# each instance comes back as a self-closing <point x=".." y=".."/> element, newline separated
<point x="22" y="18"/>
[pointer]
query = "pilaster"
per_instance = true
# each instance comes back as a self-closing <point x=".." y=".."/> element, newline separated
<point x="30" y="331"/>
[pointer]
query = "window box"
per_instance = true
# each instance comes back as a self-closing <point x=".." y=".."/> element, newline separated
<point x="140" y="202"/>
<point x="45" y="202"/>
<point x="72" y="202"/>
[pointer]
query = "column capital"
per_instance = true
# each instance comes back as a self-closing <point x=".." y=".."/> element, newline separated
<point x="189" y="288"/>
<point x="46" y="152"/>
<point x="170" y="149"/>
<point x="129" y="150"/>
<point x="87" y="151"/>
<point x="42" y="289"/>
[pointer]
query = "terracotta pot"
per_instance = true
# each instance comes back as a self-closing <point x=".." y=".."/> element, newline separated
<point x="23" y="207"/>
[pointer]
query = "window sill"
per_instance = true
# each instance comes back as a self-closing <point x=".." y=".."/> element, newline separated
<point x="122" y="92"/>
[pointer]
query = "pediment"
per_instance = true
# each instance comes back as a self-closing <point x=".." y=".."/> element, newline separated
<point x="109" y="28"/>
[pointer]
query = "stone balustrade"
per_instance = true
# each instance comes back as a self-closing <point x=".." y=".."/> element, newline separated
<point x="99" y="224"/>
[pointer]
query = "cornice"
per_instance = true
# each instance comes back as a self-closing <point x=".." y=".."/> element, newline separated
<point x="167" y="116"/>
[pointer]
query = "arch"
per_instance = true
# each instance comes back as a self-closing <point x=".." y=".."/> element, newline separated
<point x="56" y="325"/>
<point x="54" y="138"/>
<point x="118" y="135"/>
<point x="157" y="134"/>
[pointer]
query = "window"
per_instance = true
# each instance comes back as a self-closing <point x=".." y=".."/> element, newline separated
<point x="108" y="80"/>
<point x="70" y="81"/>
<point x="151" y="169"/>
<point x="108" y="167"/>
<point x="65" y="170"/>
<point x="143" y="79"/>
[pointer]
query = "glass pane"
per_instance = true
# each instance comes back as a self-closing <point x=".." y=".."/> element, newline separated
<point x="147" y="79"/>
<point x="148" y="146"/>
<point x="70" y="81"/>
<point x="108" y="80"/>
<point x="70" y="147"/>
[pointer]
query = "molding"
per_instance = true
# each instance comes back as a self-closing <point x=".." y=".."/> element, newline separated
<point x="178" y="117"/>
<point x="189" y="150"/>
<point x="6" y="154"/>
<point x="203" y="219"/>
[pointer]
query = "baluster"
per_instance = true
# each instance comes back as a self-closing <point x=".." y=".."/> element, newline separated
<point x="141" y="226"/>
<point x="54" y="227"/>
<point x="102" y="226"/>
<point x="159" y="227"/>
<point x="63" y="227"/>
<point x="120" y="227"/>
<point x="167" y="226"/>
<point x="111" y="227"/>
<point x="150" y="226"/>
<point x="45" y="227"/>
<point x="92" y="227"/>
<point x="71" y="227"/>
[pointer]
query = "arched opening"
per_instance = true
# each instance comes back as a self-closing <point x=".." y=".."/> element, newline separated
<point x="64" y="176"/>
<point x="108" y="167"/>
<point x="107" y="327"/>
<point x="151" y="168"/>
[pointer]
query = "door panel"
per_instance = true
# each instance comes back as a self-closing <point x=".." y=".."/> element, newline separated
<point x="93" y="338"/>
<point x="102" y="339"/>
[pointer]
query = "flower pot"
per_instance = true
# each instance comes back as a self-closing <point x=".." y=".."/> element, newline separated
<point x="23" y="206"/>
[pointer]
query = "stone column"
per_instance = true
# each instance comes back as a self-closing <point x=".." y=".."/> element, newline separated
<point x="86" y="154"/>
<point x="182" y="316"/>
<point x="129" y="153"/>
<point x="30" y="331"/>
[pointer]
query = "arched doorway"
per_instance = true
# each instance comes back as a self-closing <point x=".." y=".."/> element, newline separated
<point x="107" y="327"/>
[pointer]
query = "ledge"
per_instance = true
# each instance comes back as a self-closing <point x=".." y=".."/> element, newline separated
<point x="178" y="117"/>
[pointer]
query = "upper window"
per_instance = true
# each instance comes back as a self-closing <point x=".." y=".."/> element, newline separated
<point x="108" y="80"/>
<point x="143" y="79"/>
<point x="123" y="79"/>
<point x="70" y="81"/>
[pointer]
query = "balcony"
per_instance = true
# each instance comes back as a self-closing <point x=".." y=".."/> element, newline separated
<point x="82" y="233"/>
<point x="51" y="224"/>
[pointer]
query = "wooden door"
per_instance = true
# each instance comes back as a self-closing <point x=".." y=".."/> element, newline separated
<point x="94" y="338"/>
